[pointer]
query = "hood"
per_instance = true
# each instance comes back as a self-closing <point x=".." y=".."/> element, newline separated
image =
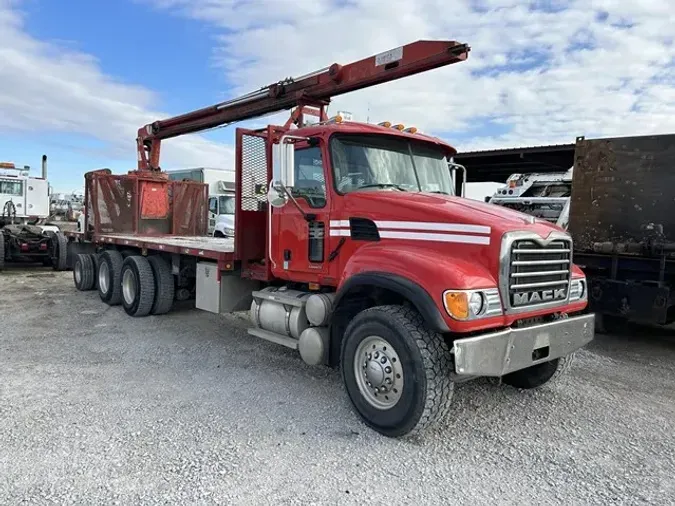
<point x="383" y="205"/>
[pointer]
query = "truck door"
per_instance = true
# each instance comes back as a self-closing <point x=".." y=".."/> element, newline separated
<point x="213" y="214"/>
<point x="301" y="241"/>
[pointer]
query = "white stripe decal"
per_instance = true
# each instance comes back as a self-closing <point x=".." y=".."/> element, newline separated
<point x="439" y="227"/>
<point x="420" y="236"/>
<point x="339" y="223"/>
<point x="340" y="232"/>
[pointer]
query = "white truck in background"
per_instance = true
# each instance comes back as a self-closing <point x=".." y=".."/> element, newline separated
<point x="24" y="203"/>
<point x="221" y="196"/>
<point x="542" y="195"/>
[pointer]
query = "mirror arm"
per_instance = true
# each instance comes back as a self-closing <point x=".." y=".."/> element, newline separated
<point x="458" y="166"/>
<point x="307" y="217"/>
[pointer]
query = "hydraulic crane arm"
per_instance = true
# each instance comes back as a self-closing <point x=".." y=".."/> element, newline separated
<point x="316" y="88"/>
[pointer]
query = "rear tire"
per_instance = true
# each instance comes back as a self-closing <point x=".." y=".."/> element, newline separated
<point x="109" y="277"/>
<point x="95" y="261"/>
<point x="60" y="252"/>
<point x="396" y="371"/>
<point x="2" y="250"/>
<point x="138" y="286"/>
<point x="84" y="272"/>
<point x="540" y="374"/>
<point x="164" y="285"/>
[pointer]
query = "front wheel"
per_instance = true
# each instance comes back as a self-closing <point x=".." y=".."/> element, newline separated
<point x="539" y="375"/>
<point x="396" y="371"/>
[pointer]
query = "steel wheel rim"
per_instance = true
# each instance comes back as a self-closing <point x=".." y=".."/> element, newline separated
<point x="378" y="372"/>
<point x="129" y="286"/>
<point x="78" y="272"/>
<point x="103" y="272"/>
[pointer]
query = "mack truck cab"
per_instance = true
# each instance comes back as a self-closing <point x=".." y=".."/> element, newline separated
<point x="380" y="269"/>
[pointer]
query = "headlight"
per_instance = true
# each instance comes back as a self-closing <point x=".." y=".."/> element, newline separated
<point x="476" y="303"/>
<point x="229" y="231"/>
<point x="472" y="304"/>
<point x="578" y="289"/>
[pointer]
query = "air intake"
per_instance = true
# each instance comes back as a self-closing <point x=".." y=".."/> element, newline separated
<point x="363" y="229"/>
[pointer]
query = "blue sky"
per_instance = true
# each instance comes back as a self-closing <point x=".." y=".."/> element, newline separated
<point x="116" y="33"/>
<point x="80" y="77"/>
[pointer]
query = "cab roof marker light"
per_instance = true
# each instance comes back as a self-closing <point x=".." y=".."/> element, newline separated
<point x="385" y="124"/>
<point x="335" y="119"/>
<point x="345" y="115"/>
<point x="399" y="126"/>
<point x="411" y="130"/>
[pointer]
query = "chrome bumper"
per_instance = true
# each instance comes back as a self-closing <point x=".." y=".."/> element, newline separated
<point x="510" y="350"/>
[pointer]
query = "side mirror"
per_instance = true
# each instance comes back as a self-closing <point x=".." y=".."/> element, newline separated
<point x="283" y="171"/>
<point x="276" y="197"/>
<point x="455" y="167"/>
<point x="283" y="164"/>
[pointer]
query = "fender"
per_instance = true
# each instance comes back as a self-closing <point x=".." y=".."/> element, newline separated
<point x="436" y="268"/>
<point x="417" y="295"/>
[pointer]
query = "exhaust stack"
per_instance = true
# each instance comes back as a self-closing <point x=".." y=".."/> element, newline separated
<point x="44" y="167"/>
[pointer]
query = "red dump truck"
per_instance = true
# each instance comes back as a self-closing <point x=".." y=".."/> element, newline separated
<point x="351" y="246"/>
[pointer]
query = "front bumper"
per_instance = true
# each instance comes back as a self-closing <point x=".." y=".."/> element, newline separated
<point x="506" y="351"/>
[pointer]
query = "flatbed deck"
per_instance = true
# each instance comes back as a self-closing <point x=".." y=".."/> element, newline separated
<point x="216" y="248"/>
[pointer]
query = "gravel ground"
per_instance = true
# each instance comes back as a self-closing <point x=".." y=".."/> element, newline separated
<point x="186" y="408"/>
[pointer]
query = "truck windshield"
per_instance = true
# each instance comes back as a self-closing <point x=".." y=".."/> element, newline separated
<point x="385" y="162"/>
<point x="226" y="204"/>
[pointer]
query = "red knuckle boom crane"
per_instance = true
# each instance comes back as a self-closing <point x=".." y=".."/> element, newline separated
<point x="314" y="89"/>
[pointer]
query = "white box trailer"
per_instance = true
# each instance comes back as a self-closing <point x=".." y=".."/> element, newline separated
<point x="221" y="196"/>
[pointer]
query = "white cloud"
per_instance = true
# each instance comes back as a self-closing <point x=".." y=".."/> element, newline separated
<point x="45" y="88"/>
<point x="619" y="81"/>
<point x="603" y="67"/>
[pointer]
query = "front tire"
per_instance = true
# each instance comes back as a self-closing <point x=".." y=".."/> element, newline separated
<point x="539" y="375"/>
<point x="396" y="371"/>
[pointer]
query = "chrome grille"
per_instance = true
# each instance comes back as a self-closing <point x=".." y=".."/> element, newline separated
<point x="539" y="274"/>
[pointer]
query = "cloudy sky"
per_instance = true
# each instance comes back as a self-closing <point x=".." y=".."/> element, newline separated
<point x="79" y="77"/>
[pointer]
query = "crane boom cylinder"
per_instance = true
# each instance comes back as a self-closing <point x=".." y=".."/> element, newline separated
<point x="315" y="88"/>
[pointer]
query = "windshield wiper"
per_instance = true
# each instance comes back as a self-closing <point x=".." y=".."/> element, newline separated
<point x="383" y="185"/>
<point x="438" y="191"/>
